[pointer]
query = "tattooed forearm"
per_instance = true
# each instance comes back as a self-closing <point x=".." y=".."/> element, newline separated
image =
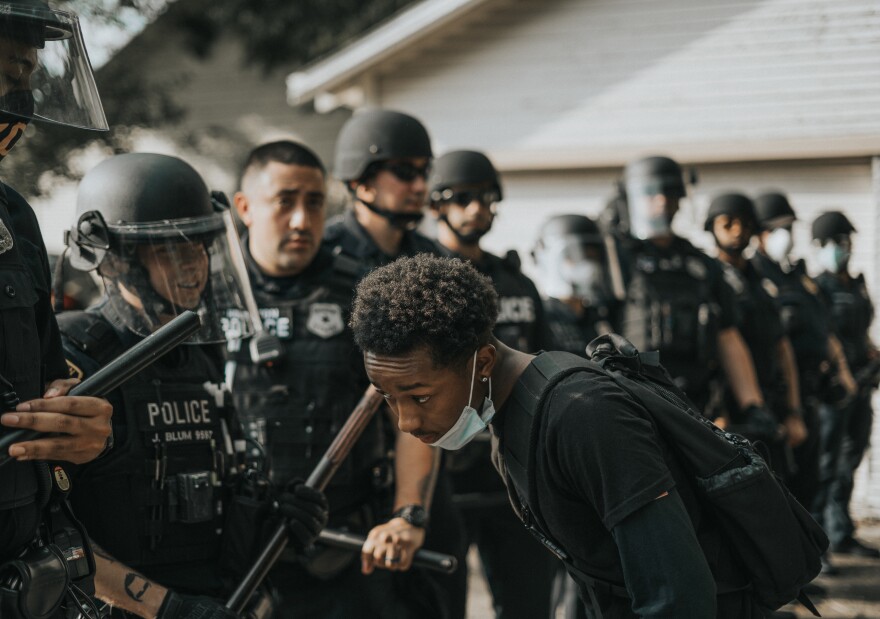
<point x="136" y="586"/>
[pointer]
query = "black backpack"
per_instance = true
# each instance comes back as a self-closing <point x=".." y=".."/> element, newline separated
<point x="777" y="541"/>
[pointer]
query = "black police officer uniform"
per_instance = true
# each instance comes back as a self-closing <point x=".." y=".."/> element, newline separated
<point x="677" y="302"/>
<point x="294" y="409"/>
<point x="851" y="312"/>
<point x="504" y="545"/>
<point x="345" y="236"/>
<point x="154" y="502"/>
<point x="569" y="332"/>
<point x="31" y="355"/>
<point x="761" y="329"/>
<point x="806" y="323"/>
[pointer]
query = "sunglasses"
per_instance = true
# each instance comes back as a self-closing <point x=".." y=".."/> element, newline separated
<point x="405" y="171"/>
<point x="486" y="197"/>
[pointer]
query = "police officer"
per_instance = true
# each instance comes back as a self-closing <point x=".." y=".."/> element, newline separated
<point x="677" y="301"/>
<point x="295" y="404"/>
<point x="33" y="39"/>
<point x="464" y="191"/>
<point x="848" y="430"/>
<point x="732" y="221"/>
<point x="571" y="259"/>
<point x="164" y="505"/>
<point x="384" y="158"/>
<point x="807" y="324"/>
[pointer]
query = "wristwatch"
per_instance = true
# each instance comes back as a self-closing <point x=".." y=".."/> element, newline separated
<point x="413" y="514"/>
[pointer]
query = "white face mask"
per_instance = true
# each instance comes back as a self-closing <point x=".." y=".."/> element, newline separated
<point x="778" y="244"/>
<point x="470" y="423"/>
<point x="832" y="257"/>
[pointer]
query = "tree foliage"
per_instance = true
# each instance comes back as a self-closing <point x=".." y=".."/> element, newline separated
<point x="273" y="33"/>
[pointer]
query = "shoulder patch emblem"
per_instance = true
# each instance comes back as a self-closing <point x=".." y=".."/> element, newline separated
<point x="74" y="370"/>
<point x="325" y="320"/>
<point x="770" y="287"/>
<point x="6" y="241"/>
<point x="810" y="285"/>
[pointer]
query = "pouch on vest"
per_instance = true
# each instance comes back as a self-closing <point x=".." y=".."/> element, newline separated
<point x="775" y="538"/>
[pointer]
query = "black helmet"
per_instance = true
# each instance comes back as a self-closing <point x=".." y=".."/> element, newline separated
<point x="571" y="225"/>
<point x="831" y="224"/>
<point x="56" y="71"/>
<point x="376" y="135"/>
<point x="462" y="167"/>
<point x="734" y="205"/>
<point x="136" y="203"/>
<point x="655" y="175"/>
<point x="773" y="210"/>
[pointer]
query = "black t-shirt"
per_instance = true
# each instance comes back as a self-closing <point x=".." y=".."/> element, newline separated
<point x="598" y="461"/>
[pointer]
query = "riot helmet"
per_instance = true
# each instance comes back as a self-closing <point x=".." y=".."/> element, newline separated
<point x="460" y="177"/>
<point x="374" y="139"/>
<point x="653" y="187"/>
<point x="45" y="73"/>
<point x="832" y="230"/>
<point x="570" y="255"/>
<point x="736" y="207"/>
<point x="372" y="136"/>
<point x="773" y="211"/>
<point x="148" y="224"/>
<point x="831" y="224"/>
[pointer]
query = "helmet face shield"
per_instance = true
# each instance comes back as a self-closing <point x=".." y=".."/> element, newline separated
<point x="648" y="210"/>
<point x="45" y="72"/>
<point x="571" y="267"/>
<point x="154" y="271"/>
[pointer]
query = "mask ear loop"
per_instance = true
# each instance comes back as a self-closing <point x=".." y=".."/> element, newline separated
<point x="473" y="376"/>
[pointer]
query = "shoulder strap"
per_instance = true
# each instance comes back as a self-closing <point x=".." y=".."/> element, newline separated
<point x="91" y="334"/>
<point x="522" y="428"/>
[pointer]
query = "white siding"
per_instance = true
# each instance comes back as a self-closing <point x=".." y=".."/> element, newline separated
<point x="587" y="82"/>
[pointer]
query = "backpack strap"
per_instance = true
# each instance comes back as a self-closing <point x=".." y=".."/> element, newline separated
<point x="522" y="429"/>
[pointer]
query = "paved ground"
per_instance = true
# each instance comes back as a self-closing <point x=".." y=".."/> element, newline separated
<point x="854" y="594"/>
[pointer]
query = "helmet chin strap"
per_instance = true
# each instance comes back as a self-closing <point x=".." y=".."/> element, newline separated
<point x="468" y="238"/>
<point x="401" y="221"/>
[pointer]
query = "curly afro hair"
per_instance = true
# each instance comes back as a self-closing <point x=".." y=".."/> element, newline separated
<point x="442" y="304"/>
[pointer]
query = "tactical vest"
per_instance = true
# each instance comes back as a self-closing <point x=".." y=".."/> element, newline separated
<point x="670" y="307"/>
<point x="156" y="498"/>
<point x="761" y="329"/>
<point x="803" y="313"/>
<point x="518" y="303"/>
<point x="851" y="314"/>
<point x="295" y="407"/>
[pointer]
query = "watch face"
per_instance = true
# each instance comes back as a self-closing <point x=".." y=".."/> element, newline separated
<point x="413" y="514"/>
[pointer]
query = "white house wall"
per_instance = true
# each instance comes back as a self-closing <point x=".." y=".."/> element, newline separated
<point x="550" y="83"/>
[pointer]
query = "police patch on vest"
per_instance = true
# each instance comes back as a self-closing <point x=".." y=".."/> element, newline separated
<point x="516" y="309"/>
<point x="73" y="370"/>
<point x="696" y="268"/>
<point x="6" y="241"/>
<point x="177" y="414"/>
<point x="61" y="479"/>
<point x="325" y="320"/>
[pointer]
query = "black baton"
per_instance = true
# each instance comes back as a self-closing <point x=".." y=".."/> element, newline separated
<point x="427" y="559"/>
<point x="320" y="477"/>
<point x="138" y="357"/>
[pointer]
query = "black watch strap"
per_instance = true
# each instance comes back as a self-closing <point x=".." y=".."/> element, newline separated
<point x="413" y="514"/>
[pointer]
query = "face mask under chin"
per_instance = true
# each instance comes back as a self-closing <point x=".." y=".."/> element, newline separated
<point x="470" y="422"/>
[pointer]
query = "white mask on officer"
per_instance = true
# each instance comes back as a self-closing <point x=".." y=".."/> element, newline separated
<point x="470" y="423"/>
<point x="778" y="244"/>
<point x="833" y="257"/>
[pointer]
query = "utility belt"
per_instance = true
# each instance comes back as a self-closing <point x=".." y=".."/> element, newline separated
<point x="53" y="575"/>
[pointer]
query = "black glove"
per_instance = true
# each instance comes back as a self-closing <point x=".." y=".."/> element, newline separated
<point x="179" y="606"/>
<point x="758" y="423"/>
<point x="306" y="511"/>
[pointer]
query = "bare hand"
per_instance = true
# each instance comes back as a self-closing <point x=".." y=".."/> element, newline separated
<point x="78" y="425"/>
<point x="795" y="429"/>
<point x="391" y="546"/>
